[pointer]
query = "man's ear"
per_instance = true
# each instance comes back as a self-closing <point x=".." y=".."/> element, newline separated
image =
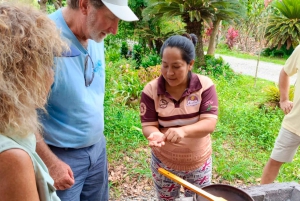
<point x="83" y="6"/>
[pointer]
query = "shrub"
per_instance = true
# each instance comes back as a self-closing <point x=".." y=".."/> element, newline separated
<point x="148" y="74"/>
<point x="215" y="67"/>
<point x="231" y="37"/>
<point x="273" y="94"/>
<point x="137" y="54"/>
<point x="152" y="59"/>
<point x="123" y="82"/>
<point x="274" y="52"/>
<point x="124" y="49"/>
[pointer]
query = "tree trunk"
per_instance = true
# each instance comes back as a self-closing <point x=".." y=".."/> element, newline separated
<point x="200" y="52"/>
<point x="218" y="35"/>
<point x="212" y="38"/>
<point x="43" y="5"/>
<point x="158" y="43"/>
<point x="196" y="28"/>
<point x="57" y="4"/>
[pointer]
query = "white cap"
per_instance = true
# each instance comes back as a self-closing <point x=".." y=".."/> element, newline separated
<point x="120" y="9"/>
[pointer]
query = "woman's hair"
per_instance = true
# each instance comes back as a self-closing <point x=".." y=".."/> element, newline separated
<point x="28" y="42"/>
<point x="185" y="43"/>
<point x="74" y="4"/>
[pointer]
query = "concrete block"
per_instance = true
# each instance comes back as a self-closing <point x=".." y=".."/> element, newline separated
<point x="275" y="192"/>
<point x="296" y="193"/>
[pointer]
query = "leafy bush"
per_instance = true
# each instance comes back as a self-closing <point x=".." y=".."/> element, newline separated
<point x="274" y="52"/>
<point x="124" y="49"/>
<point x="148" y="74"/>
<point x="215" y="67"/>
<point x="137" y="54"/>
<point x="231" y="37"/>
<point x="152" y="59"/>
<point x="124" y="82"/>
<point x="273" y="94"/>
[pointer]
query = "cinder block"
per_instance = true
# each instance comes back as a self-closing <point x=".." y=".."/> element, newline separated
<point x="275" y="192"/>
<point x="296" y="193"/>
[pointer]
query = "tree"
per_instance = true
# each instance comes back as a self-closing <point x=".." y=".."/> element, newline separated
<point x="51" y="5"/>
<point x="284" y="25"/>
<point x="193" y="14"/>
<point x="157" y="32"/>
<point x="229" y="11"/>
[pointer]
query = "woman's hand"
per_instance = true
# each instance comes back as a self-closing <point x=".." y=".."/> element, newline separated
<point x="174" y="135"/>
<point x="156" y="139"/>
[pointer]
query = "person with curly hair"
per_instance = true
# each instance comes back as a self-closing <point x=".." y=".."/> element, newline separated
<point x="29" y="41"/>
<point x="74" y="146"/>
<point x="179" y="111"/>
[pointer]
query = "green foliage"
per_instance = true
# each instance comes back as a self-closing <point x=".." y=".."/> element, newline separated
<point x="243" y="126"/>
<point x="53" y="5"/>
<point x="125" y="83"/>
<point x="149" y="73"/>
<point x="111" y="54"/>
<point x="119" y="130"/>
<point x="283" y="52"/>
<point x="215" y="67"/>
<point x="137" y="54"/>
<point x="124" y="49"/>
<point x="152" y="59"/>
<point x="284" y="27"/>
<point x="193" y="10"/>
<point x="273" y="95"/>
<point x="157" y="32"/>
<point x="224" y="50"/>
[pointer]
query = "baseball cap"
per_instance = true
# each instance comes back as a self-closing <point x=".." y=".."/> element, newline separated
<point x="120" y="9"/>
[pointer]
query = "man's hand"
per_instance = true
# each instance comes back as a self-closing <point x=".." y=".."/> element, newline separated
<point x="62" y="175"/>
<point x="156" y="139"/>
<point x="174" y="135"/>
<point x="286" y="106"/>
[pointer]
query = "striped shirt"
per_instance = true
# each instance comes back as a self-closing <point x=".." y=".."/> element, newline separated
<point x="158" y="108"/>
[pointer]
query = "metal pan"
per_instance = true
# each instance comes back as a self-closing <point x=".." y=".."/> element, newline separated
<point x="214" y="192"/>
<point x="227" y="192"/>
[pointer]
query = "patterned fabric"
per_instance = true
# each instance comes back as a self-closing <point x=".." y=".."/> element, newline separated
<point x="168" y="190"/>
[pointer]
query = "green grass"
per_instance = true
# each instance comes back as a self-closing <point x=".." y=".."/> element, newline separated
<point x="242" y="142"/>
<point x="238" y="54"/>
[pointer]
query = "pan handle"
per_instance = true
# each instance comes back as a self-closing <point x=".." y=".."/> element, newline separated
<point x="189" y="185"/>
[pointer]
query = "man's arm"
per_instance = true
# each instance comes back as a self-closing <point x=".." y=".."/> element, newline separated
<point x="60" y="172"/>
<point x="284" y="87"/>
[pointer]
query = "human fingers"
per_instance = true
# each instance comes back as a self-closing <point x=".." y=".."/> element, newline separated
<point x="62" y="175"/>
<point x="155" y="144"/>
<point x="150" y="137"/>
<point x="174" y="139"/>
<point x="290" y="107"/>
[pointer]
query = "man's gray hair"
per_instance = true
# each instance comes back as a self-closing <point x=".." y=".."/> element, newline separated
<point x="74" y="3"/>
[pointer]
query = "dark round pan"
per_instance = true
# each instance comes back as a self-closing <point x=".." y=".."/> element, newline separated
<point x="227" y="192"/>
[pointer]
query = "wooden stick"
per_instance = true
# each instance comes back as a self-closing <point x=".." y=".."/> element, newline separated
<point x="189" y="185"/>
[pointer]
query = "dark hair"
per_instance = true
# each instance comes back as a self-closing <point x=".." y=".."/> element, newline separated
<point x="186" y="43"/>
<point x="74" y="3"/>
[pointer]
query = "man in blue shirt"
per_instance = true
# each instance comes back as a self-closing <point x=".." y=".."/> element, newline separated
<point x="74" y="147"/>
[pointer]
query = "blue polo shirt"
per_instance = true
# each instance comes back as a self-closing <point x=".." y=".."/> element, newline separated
<point x="75" y="116"/>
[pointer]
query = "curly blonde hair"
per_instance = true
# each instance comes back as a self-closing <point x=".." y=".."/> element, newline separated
<point x="29" y="41"/>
